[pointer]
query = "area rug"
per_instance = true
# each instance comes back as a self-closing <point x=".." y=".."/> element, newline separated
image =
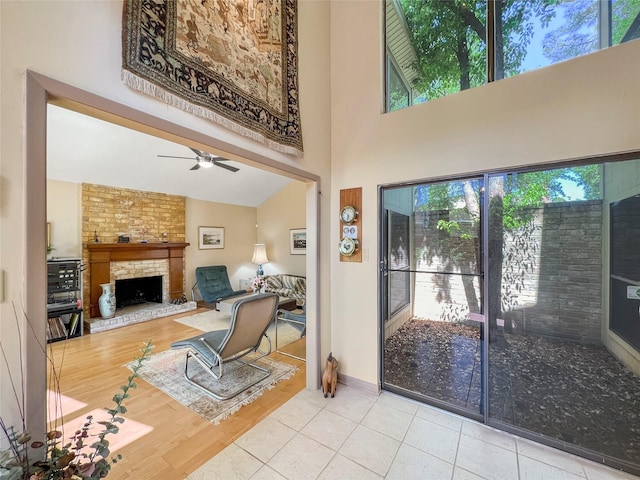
<point x="213" y="320"/>
<point x="207" y="321"/>
<point x="233" y="62"/>
<point x="165" y="372"/>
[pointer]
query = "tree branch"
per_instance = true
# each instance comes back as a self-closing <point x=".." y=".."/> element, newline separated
<point x="472" y="21"/>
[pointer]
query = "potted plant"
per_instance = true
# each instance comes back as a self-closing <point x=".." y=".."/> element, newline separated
<point x="85" y="455"/>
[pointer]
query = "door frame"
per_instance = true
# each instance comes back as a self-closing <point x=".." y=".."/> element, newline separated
<point x="42" y="90"/>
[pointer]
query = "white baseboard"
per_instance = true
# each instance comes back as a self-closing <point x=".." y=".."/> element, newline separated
<point x="359" y="384"/>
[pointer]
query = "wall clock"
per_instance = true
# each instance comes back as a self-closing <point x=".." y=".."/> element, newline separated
<point x="348" y="214"/>
<point x="348" y="246"/>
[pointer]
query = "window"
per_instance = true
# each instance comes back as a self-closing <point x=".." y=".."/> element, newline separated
<point x="444" y="46"/>
<point x="399" y="94"/>
<point x="399" y="248"/>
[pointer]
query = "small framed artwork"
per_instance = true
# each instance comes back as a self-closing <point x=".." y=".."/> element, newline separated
<point x="298" y="241"/>
<point x="210" y="237"/>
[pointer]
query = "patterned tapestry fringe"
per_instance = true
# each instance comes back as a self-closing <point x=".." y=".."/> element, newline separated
<point x="148" y="88"/>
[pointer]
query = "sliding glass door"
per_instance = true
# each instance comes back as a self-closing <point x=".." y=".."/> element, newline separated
<point x="550" y="369"/>
<point x="432" y="276"/>
<point x="524" y="303"/>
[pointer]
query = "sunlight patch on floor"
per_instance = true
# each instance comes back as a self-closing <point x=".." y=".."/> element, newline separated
<point x="129" y="432"/>
<point x="59" y="405"/>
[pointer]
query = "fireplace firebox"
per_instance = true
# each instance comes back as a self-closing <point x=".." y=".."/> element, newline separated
<point x="134" y="291"/>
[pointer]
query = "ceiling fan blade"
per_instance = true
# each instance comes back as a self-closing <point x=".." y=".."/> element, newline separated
<point x="173" y="156"/>
<point x="207" y="157"/>
<point x="200" y="153"/>
<point x="228" y="167"/>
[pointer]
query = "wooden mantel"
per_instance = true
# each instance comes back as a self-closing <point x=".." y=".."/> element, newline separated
<point x="102" y="254"/>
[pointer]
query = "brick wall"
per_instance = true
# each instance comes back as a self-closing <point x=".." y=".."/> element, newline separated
<point x="444" y="297"/>
<point x="109" y="212"/>
<point x="552" y="277"/>
<point x="568" y="280"/>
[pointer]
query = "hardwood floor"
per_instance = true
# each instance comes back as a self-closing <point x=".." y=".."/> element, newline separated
<point x="93" y="371"/>
<point x="297" y="348"/>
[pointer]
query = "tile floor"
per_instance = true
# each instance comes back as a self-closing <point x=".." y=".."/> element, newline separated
<point x="359" y="435"/>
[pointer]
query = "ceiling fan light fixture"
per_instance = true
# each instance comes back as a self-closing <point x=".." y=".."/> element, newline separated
<point x="205" y="160"/>
<point x="205" y="163"/>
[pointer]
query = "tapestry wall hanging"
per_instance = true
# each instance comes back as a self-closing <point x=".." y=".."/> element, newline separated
<point x="231" y="61"/>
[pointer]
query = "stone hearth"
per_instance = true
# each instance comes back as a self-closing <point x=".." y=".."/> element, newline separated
<point x="137" y="314"/>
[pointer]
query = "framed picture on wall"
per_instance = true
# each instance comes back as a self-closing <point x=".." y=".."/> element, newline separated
<point x="298" y="241"/>
<point x="210" y="237"/>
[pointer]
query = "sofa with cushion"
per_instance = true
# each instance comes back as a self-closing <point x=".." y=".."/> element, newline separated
<point x="285" y="285"/>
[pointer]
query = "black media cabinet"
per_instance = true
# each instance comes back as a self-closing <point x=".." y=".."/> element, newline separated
<point x="64" y="299"/>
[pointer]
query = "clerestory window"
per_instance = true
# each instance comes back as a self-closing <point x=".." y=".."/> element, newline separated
<point x="438" y="47"/>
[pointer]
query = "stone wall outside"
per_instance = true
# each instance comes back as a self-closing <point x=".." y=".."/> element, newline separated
<point x="552" y="279"/>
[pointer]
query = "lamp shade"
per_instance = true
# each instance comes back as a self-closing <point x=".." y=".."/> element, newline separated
<point x="259" y="254"/>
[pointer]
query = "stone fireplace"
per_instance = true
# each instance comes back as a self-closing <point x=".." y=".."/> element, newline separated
<point x="155" y="226"/>
<point x="109" y="262"/>
<point x="134" y="263"/>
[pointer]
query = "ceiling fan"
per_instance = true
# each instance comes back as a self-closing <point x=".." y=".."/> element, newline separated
<point x="205" y="160"/>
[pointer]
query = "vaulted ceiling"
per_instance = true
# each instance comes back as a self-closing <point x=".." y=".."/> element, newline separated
<point x="83" y="149"/>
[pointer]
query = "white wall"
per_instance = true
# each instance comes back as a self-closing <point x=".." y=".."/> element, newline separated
<point x="79" y="43"/>
<point x="240" y="234"/>
<point x="276" y="217"/>
<point x="64" y="213"/>
<point x="584" y="107"/>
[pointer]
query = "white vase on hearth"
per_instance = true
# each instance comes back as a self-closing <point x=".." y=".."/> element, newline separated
<point x="107" y="301"/>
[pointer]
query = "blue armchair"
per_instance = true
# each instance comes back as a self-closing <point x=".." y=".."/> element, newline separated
<point x="212" y="283"/>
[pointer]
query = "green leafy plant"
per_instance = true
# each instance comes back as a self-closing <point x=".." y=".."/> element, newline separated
<point x="73" y="459"/>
